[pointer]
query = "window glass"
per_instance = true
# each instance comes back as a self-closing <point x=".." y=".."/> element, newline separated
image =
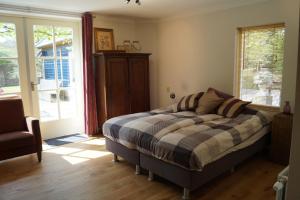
<point x="261" y="64"/>
<point x="9" y="66"/>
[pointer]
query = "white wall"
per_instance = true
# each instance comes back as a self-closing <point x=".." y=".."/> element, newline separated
<point x="124" y="28"/>
<point x="294" y="174"/>
<point x="131" y="29"/>
<point x="146" y="33"/>
<point x="198" y="51"/>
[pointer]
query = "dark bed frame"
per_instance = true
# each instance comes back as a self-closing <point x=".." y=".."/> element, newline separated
<point x="188" y="179"/>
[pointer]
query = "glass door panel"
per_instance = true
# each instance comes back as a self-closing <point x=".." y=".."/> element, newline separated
<point x="54" y="72"/>
<point x="9" y="65"/>
<point x="46" y="72"/>
<point x="48" y="105"/>
<point x="67" y="102"/>
<point x="66" y="72"/>
<point x="43" y="41"/>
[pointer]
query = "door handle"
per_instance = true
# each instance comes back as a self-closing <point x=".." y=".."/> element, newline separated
<point x="33" y="84"/>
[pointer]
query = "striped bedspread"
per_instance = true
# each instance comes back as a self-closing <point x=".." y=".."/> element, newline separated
<point x="184" y="138"/>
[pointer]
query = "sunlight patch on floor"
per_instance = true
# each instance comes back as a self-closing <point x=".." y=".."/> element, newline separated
<point x="74" y="160"/>
<point x="91" y="154"/>
<point x="47" y="146"/>
<point x="79" y="155"/>
<point x="63" y="150"/>
<point x="99" y="142"/>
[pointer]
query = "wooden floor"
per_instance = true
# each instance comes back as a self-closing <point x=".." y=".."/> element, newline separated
<point x="85" y="171"/>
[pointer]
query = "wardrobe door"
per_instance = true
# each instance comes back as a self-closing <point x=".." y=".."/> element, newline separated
<point x="118" y="99"/>
<point x="139" y="84"/>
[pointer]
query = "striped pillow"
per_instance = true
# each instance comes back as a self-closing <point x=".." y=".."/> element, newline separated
<point x="220" y="93"/>
<point x="232" y="107"/>
<point x="189" y="102"/>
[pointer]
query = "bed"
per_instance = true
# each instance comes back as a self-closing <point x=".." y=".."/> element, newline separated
<point x="186" y="148"/>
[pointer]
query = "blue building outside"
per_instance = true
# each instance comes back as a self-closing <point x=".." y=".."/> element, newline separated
<point x="63" y="64"/>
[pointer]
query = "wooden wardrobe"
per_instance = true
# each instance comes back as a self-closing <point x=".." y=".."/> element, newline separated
<point x="122" y="84"/>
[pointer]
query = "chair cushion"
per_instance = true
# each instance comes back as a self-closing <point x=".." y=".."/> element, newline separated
<point x="12" y="115"/>
<point x="15" y="140"/>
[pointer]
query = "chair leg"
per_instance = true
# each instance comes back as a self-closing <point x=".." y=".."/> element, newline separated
<point x="39" y="155"/>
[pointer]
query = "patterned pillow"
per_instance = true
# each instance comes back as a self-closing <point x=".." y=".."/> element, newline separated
<point x="189" y="102"/>
<point x="220" y="94"/>
<point x="232" y="107"/>
<point x="208" y="103"/>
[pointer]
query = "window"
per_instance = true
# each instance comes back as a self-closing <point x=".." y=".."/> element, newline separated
<point x="260" y="64"/>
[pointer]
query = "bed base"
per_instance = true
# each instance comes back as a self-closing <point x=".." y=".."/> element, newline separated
<point x="186" y="194"/>
<point x="115" y="159"/>
<point x="150" y="176"/>
<point x="137" y="170"/>
<point x="187" y="179"/>
<point x="130" y="155"/>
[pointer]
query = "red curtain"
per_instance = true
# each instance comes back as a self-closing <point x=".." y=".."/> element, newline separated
<point x="90" y="109"/>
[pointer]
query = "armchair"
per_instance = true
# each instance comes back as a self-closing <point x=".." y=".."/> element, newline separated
<point x="19" y="135"/>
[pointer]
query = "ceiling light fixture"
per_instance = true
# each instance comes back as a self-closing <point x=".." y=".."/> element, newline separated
<point x="136" y="1"/>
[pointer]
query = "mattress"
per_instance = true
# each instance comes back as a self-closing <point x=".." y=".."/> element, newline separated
<point x="186" y="139"/>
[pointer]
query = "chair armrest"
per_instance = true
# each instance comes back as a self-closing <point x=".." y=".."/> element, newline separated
<point x="33" y="126"/>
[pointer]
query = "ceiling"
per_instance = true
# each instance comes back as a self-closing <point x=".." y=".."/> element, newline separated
<point x="148" y="9"/>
